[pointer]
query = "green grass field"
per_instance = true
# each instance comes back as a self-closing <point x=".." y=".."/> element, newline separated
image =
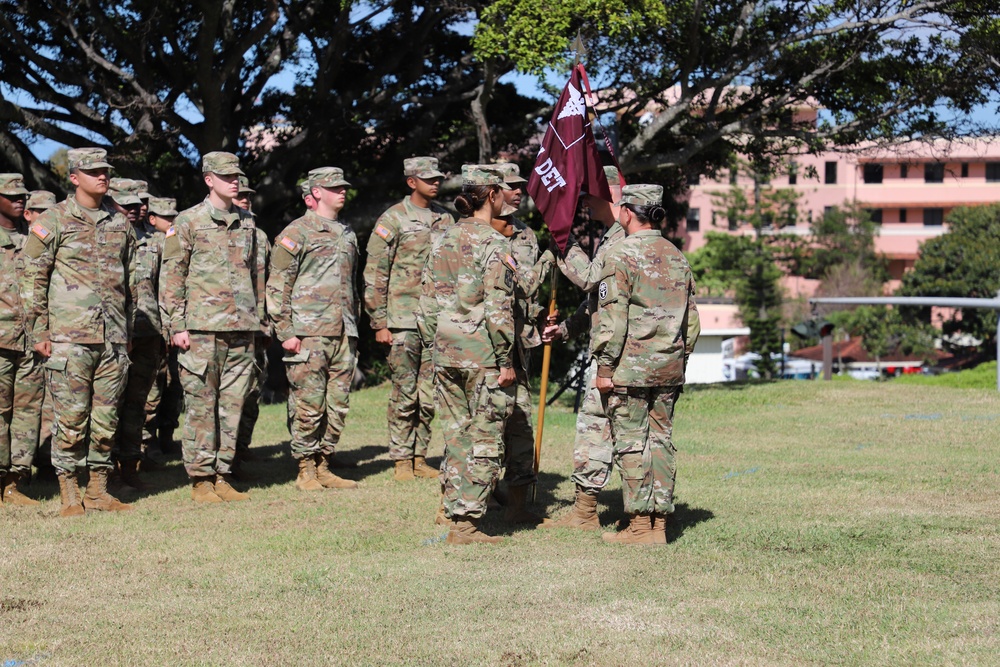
<point x="817" y="524"/>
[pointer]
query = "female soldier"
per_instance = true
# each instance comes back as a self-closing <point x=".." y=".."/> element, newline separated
<point x="466" y="302"/>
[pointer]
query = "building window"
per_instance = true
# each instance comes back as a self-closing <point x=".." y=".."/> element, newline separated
<point x="934" y="172"/>
<point x="694" y="219"/>
<point x="793" y="173"/>
<point x="965" y="170"/>
<point x="694" y="179"/>
<point x="875" y="215"/>
<point x="831" y="173"/>
<point x="934" y="216"/>
<point x="904" y="170"/>
<point x="732" y="176"/>
<point x="902" y="215"/>
<point x="873" y="173"/>
<point x="993" y="172"/>
<point x="734" y="223"/>
<point x="827" y="210"/>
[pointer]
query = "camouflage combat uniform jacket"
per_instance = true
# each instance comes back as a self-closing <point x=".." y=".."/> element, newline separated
<point x="209" y="278"/>
<point x="12" y="315"/>
<point x="80" y="276"/>
<point x="397" y="252"/>
<point x="467" y="298"/>
<point x="586" y="274"/>
<point x="531" y="272"/>
<point x="648" y="318"/>
<point x="148" y="250"/>
<point x="311" y="290"/>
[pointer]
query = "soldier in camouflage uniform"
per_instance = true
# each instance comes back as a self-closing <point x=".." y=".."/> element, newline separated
<point x="251" y="408"/>
<point x="163" y="404"/>
<point x="21" y="377"/>
<point x="397" y="251"/>
<point x="648" y="328"/>
<point x="148" y="345"/>
<point x="592" y="451"/>
<point x="212" y="288"/>
<point x="313" y="304"/>
<point x="80" y="282"/>
<point x="532" y="269"/>
<point x="467" y="305"/>
<point x="39" y="201"/>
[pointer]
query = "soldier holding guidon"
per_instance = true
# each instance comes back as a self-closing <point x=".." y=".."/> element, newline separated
<point x="648" y="327"/>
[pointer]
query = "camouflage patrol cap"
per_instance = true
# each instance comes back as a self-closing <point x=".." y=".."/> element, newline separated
<point x="12" y="185"/>
<point x="163" y="206"/>
<point x="614" y="178"/>
<point x="87" y="158"/>
<point x="124" y="191"/>
<point x="642" y="194"/>
<point x="245" y="186"/>
<point x="511" y="172"/>
<point x="305" y="187"/>
<point x="327" y="177"/>
<point x="143" y="190"/>
<point x="220" y="162"/>
<point x="482" y="174"/>
<point x="40" y="200"/>
<point x="421" y="167"/>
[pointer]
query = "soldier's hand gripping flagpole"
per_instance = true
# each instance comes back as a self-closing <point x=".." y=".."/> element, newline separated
<point x="567" y="163"/>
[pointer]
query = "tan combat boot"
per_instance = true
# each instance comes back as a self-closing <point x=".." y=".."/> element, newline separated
<point x="203" y="491"/>
<point x="97" y="496"/>
<point x="421" y="469"/>
<point x="225" y="490"/>
<point x="130" y="475"/>
<point x="12" y="495"/>
<point x="465" y="530"/>
<point x="403" y="471"/>
<point x="69" y="492"/>
<point x="639" y="531"/>
<point x="517" y="498"/>
<point x="306" y="481"/>
<point x="583" y="514"/>
<point x="440" y="518"/>
<point x="327" y="478"/>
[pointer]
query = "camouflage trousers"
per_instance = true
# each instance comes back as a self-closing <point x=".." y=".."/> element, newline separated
<point x="216" y="373"/>
<point x="319" y="381"/>
<point x="22" y="386"/>
<point x="592" y="449"/>
<point x="145" y="360"/>
<point x="151" y="427"/>
<point x="473" y="409"/>
<point x="86" y="384"/>
<point x="519" y="437"/>
<point x="411" y="402"/>
<point x="251" y="407"/>
<point x="642" y="425"/>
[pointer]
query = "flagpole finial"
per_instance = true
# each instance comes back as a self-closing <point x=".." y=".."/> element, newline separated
<point x="579" y="50"/>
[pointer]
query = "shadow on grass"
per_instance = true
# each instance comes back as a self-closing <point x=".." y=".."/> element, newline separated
<point x="684" y="515"/>
<point x="736" y="385"/>
<point x="544" y="496"/>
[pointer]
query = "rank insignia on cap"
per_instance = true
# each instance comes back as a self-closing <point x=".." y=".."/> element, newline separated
<point x="509" y="261"/>
<point x="40" y="232"/>
<point x="288" y="244"/>
<point x="171" y="232"/>
<point x="382" y="231"/>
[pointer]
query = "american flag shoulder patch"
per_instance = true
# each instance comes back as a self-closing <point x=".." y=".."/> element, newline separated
<point x="382" y="231"/>
<point x="171" y="232"/>
<point x="288" y="244"/>
<point x="509" y="261"/>
<point x="40" y="231"/>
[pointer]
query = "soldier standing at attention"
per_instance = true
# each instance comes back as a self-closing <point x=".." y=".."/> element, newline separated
<point x="532" y="269"/>
<point x="81" y="262"/>
<point x="592" y="449"/>
<point x="212" y="292"/>
<point x="251" y="408"/>
<point x="21" y="375"/>
<point x="648" y="327"/>
<point x="148" y="345"/>
<point x="313" y="304"/>
<point x="467" y="304"/>
<point x="397" y="251"/>
<point x="39" y="201"/>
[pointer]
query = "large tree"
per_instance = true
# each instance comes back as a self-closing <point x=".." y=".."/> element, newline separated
<point x="694" y="81"/>
<point x="159" y="82"/>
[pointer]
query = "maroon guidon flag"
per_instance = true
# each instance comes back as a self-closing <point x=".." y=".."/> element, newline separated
<point x="567" y="162"/>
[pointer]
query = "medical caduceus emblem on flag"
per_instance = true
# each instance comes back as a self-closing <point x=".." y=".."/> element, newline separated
<point x="567" y="162"/>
